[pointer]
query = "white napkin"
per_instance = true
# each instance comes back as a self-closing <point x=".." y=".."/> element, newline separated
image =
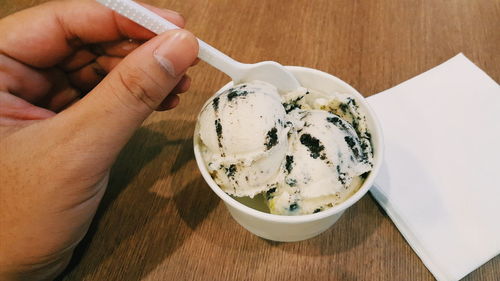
<point x="440" y="182"/>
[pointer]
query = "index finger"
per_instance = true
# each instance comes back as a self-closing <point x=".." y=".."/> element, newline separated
<point x="44" y="35"/>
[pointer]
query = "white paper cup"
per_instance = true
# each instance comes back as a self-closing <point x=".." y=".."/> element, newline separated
<point x="296" y="228"/>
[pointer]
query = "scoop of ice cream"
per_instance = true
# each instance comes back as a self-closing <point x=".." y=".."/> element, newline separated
<point x="305" y="150"/>
<point x="244" y="130"/>
<point x="322" y="167"/>
<point x="341" y="104"/>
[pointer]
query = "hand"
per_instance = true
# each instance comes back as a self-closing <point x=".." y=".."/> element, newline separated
<point x="55" y="148"/>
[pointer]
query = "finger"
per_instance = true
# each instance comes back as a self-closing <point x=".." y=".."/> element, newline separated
<point x="22" y="80"/>
<point x="172" y="100"/>
<point x="108" y="63"/>
<point x="182" y="86"/>
<point x="169" y="102"/>
<point x="52" y="31"/>
<point x="196" y="62"/>
<point x="170" y="15"/>
<point x="77" y="60"/>
<point x="61" y="94"/>
<point x="63" y="98"/>
<point x="87" y="77"/>
<point x="120" y="48"/>
<point x="111" y="112"/>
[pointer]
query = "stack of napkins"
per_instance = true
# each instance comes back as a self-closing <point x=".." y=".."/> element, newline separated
<point x="440" y="182"/>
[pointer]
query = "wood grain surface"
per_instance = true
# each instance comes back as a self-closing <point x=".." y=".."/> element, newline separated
<point x="160" y="221"/>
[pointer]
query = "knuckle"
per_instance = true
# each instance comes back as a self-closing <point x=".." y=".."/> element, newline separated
<point x="133" y="84"/>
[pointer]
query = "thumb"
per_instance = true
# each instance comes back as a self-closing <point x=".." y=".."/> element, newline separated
<point x="146" y="76"/>
<point x="133" y="89"/>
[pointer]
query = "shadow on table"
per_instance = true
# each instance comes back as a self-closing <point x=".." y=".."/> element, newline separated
<point x="356" y="224"/>
<point x="353" y="228"/>
<point x="194" y="203"/>
<point x="135" y="229"/>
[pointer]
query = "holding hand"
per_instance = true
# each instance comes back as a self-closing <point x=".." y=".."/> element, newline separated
<point x="56" y="149"/>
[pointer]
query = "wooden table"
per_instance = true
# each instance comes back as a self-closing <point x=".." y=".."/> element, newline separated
<point x="160" y="221"/>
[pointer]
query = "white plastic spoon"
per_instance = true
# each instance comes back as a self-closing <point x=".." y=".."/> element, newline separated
<point x="268" y="71"/>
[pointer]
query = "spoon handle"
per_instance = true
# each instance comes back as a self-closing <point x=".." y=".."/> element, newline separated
<point x="158" y="25"/>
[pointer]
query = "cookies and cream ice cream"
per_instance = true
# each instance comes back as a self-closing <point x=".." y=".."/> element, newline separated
<point x="244" y="138"/>
<point x="306" y="151"/>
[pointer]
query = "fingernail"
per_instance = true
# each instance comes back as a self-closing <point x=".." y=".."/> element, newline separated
<point x="172" y="12"/>
<point x="171" y="54"/>
<point x="176" y="17"/>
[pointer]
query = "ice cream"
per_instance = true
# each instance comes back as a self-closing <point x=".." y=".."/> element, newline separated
<point x="245" y="138"/>
<point x="306" y="151"/>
